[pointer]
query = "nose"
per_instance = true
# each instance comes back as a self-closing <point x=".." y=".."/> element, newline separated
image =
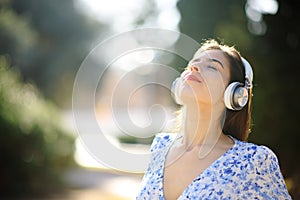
<point x="194" y="68"/>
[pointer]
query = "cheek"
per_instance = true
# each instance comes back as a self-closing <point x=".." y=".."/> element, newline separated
<point x="193" y="92"/>
<point x="215" y="88"/>
<point x="211" y="90"/>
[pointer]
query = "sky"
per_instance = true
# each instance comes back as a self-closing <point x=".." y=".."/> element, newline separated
<point x="121" y="14"/>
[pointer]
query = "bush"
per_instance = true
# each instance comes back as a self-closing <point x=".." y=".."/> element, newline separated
<point x="35" y="149"/>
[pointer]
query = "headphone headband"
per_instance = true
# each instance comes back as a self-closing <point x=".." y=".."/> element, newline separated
<point x="236" y="93"/>
<point x="248" y="74"/>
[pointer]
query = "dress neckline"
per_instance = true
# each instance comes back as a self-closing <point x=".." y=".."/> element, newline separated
<point x="199" y="175"/>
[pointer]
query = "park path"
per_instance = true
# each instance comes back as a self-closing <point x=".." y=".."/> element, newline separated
<point x="97" y="184"/>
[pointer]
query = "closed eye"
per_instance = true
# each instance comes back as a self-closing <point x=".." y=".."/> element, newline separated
<point x="212" y="67"/>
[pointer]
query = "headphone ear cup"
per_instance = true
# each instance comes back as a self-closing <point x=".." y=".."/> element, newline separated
<point x="235" y="96"/>
<point x="240" y="97"/>
<point x="175" y="90"/>
<point x="228" y="95"/>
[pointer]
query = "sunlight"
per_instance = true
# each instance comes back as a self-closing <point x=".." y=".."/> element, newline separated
<point x="107" y="11"/>
<point x="255" y="9"/>
<point x="84" y="158"/>
<point x="134" y="59"/>
<point x="121" y="15"/>
<point x="123" y="186"/>
<point x="265" y="6"/>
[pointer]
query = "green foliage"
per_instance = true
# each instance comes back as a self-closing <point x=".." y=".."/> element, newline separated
<point x="47" y="41"/>
<point x="215" y="19"/>
<point x="34" y="146"/>
<point x="17" y="36"/>
<point x="133" y="140"/>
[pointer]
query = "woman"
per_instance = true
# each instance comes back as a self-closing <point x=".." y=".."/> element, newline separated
<point x="209" y="158"/>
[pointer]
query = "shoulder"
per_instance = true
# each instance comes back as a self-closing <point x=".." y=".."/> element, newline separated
<point x="260" y="169"/>
<point x="158" y="149"/>
<point x="260" y="158"/>
<point x="259" y="152"/>
<point x="162" y="140"/>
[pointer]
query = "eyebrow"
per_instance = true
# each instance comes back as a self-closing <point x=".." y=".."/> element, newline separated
<point x="210" y="59"/>
<point x="215" y="60"/>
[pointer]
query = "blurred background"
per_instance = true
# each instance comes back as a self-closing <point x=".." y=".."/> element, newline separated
<point x="43" y="43"/>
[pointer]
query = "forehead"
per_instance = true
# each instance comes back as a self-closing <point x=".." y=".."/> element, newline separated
<point x="212" y="54"/>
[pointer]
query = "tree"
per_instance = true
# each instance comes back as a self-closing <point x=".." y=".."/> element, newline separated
<point x="35" y="148"/>
<point x="47" y="41"/>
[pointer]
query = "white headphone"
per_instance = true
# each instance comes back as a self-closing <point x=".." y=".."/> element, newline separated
<point x="175" y="90"/>
<point x="235" y="95"/>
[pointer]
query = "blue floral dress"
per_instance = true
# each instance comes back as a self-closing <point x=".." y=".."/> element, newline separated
<point x="245" y="171"/>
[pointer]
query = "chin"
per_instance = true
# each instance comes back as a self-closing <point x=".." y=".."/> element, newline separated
<point x="190" y="98"/>
<point x="192" y="92"/>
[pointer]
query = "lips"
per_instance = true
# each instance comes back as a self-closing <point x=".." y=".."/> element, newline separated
<point x="191" y="78"/>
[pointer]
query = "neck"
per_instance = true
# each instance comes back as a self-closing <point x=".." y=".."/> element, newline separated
<point x="202" y="125"/>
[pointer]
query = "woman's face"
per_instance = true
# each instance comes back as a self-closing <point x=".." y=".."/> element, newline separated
<point x="205" y="78"/>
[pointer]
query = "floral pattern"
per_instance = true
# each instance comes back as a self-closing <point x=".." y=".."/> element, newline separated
<point x="245" y="171"/>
